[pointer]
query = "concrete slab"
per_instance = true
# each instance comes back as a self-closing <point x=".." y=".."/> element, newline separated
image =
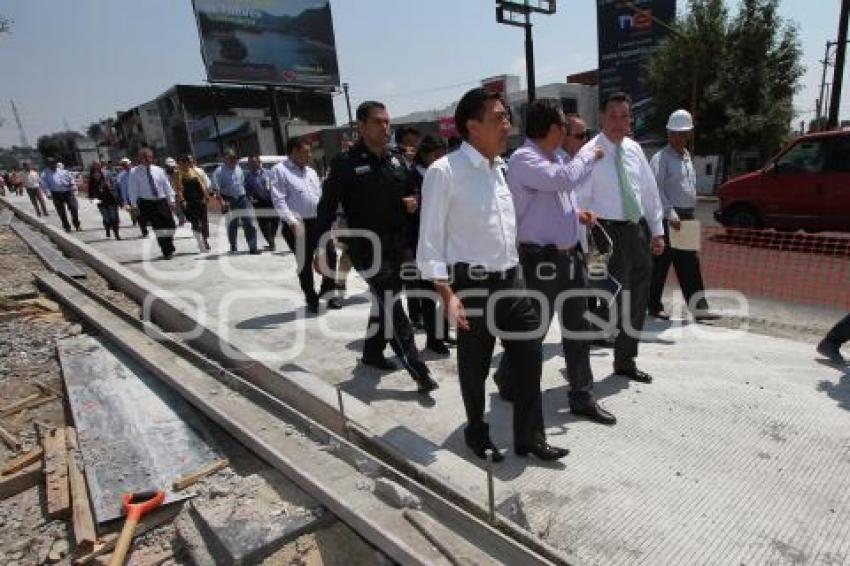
<point x="738" y="453"/>
<point x="260" y="515"/>
<point x="134" y="433"/>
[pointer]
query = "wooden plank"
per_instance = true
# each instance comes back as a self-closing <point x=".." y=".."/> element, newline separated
<point x="58" y="493"/>
<point x="192" y="479"/>
<point x="48" y="253"/>
<point x="29" y="405"/>
<point x="47" y="390"/>
<point x="9" y="439"/>
<point x="21" y="481"/>
<point x="17" y="464"/>
<point x="85" y="532"/>
<point x="18" y="405"/>
<point x="42" y="303"/>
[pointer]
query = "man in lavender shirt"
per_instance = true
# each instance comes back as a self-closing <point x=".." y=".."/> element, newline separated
<point x="549" y="233"/>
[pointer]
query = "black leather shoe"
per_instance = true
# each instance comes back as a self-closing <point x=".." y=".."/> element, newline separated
<point x="831" y="351"/>
<point x="660" y="314"/>
<point x="334" y="303"/>
<point x="420" y="374"/>
<point x="313" y="306"/>
<point x="701" y="315"/>
<point x="480" y="450"/>
<point x="634" y="374"/>
<point x="438" y="347"/>
<point x="378" y="362"/>
<point x="542" y="450"/>
<point x="594" y="412"/>
<point x="255" y="251"/>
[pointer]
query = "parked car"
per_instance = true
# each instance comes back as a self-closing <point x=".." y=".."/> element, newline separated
<point x="806" y="186"/>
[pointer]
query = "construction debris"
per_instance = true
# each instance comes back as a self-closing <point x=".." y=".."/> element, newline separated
<point x="9" y="439"/>
<point x="20" y="481"/>
<point x="192" y="479"/>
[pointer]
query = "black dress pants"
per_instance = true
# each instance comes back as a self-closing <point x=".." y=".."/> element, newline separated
<point x="65" y="201"/>
<point x="304" y="251"/>
<point x="511" y="313"/>
<point x="268" y="220"/>
<point x="560" y="276"/>
<point x="631" y="265"/>
<point x="686" y="264"/>
<point x="157" y="214"/>
<point x="840" y="333"/>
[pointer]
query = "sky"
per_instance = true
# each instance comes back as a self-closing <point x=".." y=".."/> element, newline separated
<point x="77" y="61"/>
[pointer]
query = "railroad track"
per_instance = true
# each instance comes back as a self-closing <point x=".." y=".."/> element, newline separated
<point x="330" y="457"/>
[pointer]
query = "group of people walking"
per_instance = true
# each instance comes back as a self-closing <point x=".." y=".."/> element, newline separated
<point x="494" y="248"/>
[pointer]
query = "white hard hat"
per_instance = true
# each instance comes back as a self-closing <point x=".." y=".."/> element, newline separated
<point x="125" y="161"/>
<point x="680" y="121"/>
<point x="170" y="162"/>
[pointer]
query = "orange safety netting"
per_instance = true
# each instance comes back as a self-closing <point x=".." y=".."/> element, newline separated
<point x="796" y="267"/>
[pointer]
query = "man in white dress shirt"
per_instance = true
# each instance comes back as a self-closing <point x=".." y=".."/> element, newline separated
<point x="296" y="191"/>
<point x="468" y="247"/>
<point x="622" y="192"/>
<point x="150" y="193"/>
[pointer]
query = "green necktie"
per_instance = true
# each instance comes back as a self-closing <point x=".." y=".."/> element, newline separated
<point x="631" y="207"/>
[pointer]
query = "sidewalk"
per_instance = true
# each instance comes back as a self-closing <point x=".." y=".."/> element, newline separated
<point x="739" y="453"/>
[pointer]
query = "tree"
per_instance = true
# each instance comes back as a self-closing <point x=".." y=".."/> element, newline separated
<point x="59" y="146"/>
<point x="746" y="68"/>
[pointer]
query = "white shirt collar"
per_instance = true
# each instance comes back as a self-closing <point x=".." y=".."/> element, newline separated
<point x="476" y="158"/>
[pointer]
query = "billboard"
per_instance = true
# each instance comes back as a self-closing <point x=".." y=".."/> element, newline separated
<point x="627" y="35"/>
<point x="271" y="42"/>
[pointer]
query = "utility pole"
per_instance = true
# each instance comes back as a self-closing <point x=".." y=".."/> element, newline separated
<point x="279" y="146"/>
<point x="518" y="13"/>
<point x="24" y="142"/>
<point x="348" y="106"/>
<point x="838" y="72"/>
<point x="819" y="106"/>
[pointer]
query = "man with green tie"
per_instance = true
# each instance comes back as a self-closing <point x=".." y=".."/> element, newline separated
<point x="622" y="192"/>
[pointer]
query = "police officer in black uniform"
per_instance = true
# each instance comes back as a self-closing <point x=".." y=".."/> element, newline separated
<point x="374" y="187"/>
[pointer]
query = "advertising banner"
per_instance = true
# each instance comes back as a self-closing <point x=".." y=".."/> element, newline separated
<point x="271" y="42"/>
<point x="627" y="35"/>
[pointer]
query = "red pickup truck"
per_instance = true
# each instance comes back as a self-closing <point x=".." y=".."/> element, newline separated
<point x="806" y="186"/>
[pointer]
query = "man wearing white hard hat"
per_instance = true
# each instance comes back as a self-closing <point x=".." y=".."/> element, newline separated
<point x="676" y="178"/>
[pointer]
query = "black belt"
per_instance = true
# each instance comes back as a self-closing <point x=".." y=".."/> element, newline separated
<point x="608" y="222"/>
<point x="480" y="272"/>
<point x="549" y="249"/>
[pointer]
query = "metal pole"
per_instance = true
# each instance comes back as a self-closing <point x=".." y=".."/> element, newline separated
<point x="219" y="143"/>
<point x="279" y="146"/>
<point x="838" y="72"/>
<point x="529" y="57"/>
<point x="821" y="100"/>
<point x="348" y="105"/>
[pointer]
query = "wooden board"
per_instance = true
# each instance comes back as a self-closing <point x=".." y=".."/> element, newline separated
<point x="85" y="532"/>
<point x="21" y="481"/>
<point x="15" y="465"/>
<point x="57" y="493"/>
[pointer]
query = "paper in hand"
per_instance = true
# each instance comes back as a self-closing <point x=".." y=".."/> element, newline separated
<point x="688" y="237"/>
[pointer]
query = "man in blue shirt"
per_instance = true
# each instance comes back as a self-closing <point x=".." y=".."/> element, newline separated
<point x="258" y="187"/>
<point x="229" y="182"/>
<point x="62" y="188"/>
